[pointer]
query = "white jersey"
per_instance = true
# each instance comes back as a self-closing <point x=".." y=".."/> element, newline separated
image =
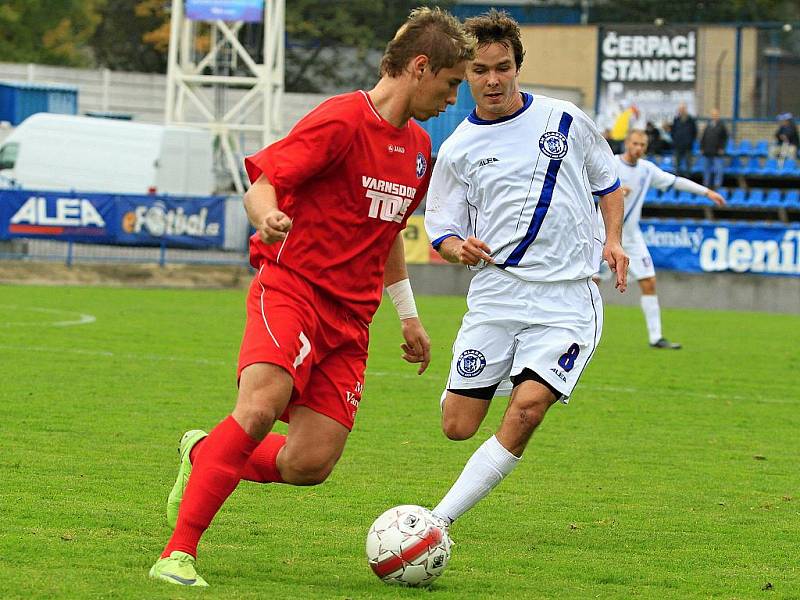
<point x="523" y="184"/>
<point x="638" y="178"/>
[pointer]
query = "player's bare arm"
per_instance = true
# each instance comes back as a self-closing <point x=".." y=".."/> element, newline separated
<point x="611" y="206"/>
<point x="417" y="345"/>
<point x="470" y="251"/>
<point x="261" y="204"/>
<point x="687" y="185"/>
<point x="715" y="198"/>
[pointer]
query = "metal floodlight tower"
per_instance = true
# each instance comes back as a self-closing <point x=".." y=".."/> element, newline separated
<point x="186" y="81"/>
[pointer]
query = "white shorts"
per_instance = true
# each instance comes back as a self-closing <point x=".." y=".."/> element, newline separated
<point x="641" y="265"/>
<point x="550" y="328"/>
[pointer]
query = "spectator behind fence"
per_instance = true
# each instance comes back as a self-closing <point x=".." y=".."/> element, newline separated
<point x="786" y="138"/>
<point x="684" y="133"/>
<point x="712" y="145"/>
<point x="654" y="142"/>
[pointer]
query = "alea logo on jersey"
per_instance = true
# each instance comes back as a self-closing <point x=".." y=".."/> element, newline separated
<point x="388" y="201"/>
<point x="471" y="363"/>
<point x="553" y="144"/>
<point x="395" y="148"/>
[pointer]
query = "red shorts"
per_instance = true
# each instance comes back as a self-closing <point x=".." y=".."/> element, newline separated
<point x="322" y="345"/>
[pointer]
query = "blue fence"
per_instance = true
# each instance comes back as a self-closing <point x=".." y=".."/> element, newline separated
<point x="713" y="246"/>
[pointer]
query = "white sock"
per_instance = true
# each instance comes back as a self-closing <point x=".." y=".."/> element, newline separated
<point x="484" y="470"/>
<point x="652" y="314"/>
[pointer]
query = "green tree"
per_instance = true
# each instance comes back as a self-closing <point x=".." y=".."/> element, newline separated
<point x="132" y="36"/>
<point x="43" y="31"/>
<point x="337" y="44"/>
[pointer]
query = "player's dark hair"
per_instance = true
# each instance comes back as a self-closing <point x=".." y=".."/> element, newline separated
<point x="432" y="32"/>
<point x="498" y="27"/>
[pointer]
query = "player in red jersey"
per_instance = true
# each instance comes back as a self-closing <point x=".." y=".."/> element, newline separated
<point x="329" y="203"/>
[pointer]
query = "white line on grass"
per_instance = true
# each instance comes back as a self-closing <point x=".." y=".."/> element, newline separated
<point x="107" y="354"/>
<point x="82" y="319"/>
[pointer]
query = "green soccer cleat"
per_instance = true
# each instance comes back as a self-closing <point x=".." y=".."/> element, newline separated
<point x="177" y="568"/>
<point x="188" y="441"/>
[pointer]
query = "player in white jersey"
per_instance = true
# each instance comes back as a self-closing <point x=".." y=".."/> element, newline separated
<point x="636" y="176"/>
<point x="511" y="196"/>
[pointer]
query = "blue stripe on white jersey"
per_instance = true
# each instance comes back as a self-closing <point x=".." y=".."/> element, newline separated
<point x="523" y="185"/>
<point x="544" y="200"/>
<point x="638" y="199"/>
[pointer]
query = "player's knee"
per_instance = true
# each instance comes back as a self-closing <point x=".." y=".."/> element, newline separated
<point x="458" y="429"/>
<point x="527" y="413"/>
<point x="307" y="470"/>
<point x="255" y="417"/>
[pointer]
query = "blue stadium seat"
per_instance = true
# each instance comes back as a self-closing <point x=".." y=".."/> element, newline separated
<point x="668" y="196"/>
<point x="761" y="148"/>
<point x="753" y="166"/>
<point x="699" y="164"/>
<point x="696" y="147"/>
<point x="738" y="197"/>
<point x="745" y="148"/>
<point x="769" y="168"/>
<point x="756" y="198"/>
<point x="667" y="164"/>
<point x="686" y="198"/>
<point x="792" y="199"/>
<point x="790" y="168"/>
<point x="652" y="196"/>
<point x="734" y="167"/>
<point x="773" y="199"/>
<point x="730" y="148"/>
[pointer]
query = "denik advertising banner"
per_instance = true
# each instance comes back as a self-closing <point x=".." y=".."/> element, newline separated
<point x="251" y="11"/>
<point x="651" y="68"/>
<point x="699" y="247"/>
<point x="112" y="219"/>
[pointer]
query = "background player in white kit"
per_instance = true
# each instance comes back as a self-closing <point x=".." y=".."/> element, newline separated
<point x="511" y="195"/>
<point x="636" y="176"/>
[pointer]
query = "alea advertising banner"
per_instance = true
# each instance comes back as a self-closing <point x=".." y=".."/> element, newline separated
<point x="650" y="68"/>
<point x="706" y="247"/>
<point x="113" y="219"/>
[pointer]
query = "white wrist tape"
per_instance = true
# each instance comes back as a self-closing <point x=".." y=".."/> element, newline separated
<point x="403" y="299"/>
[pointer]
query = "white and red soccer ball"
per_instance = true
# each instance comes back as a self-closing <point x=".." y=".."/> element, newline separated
<point x="407" y="545"/>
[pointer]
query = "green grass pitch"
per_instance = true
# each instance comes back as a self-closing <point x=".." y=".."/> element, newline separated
<point x="669" y="475"/>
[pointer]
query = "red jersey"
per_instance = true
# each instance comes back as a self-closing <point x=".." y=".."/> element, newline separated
<point x="349" y="180"/>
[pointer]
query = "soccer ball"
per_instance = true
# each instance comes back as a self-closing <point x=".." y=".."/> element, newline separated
<point x="406" y="546"/>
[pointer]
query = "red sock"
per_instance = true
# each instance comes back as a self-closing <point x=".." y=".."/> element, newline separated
<point x="225" y="453"/>
<point x="262" y="466"/>
<point x="193" y="452"/>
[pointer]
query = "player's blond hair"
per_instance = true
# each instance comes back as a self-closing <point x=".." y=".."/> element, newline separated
<point x="633" y="132"/>
<point x="432" y="32"/>
<point x="497" y="27"/>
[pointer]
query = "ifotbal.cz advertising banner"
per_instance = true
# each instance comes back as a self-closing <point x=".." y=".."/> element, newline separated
<point x="650" y="68"/>
<point x="711" y="247"/>
<point x="112" y="218"/>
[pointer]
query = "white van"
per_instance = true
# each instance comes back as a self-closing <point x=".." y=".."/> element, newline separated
<point x="86" y="154"/>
